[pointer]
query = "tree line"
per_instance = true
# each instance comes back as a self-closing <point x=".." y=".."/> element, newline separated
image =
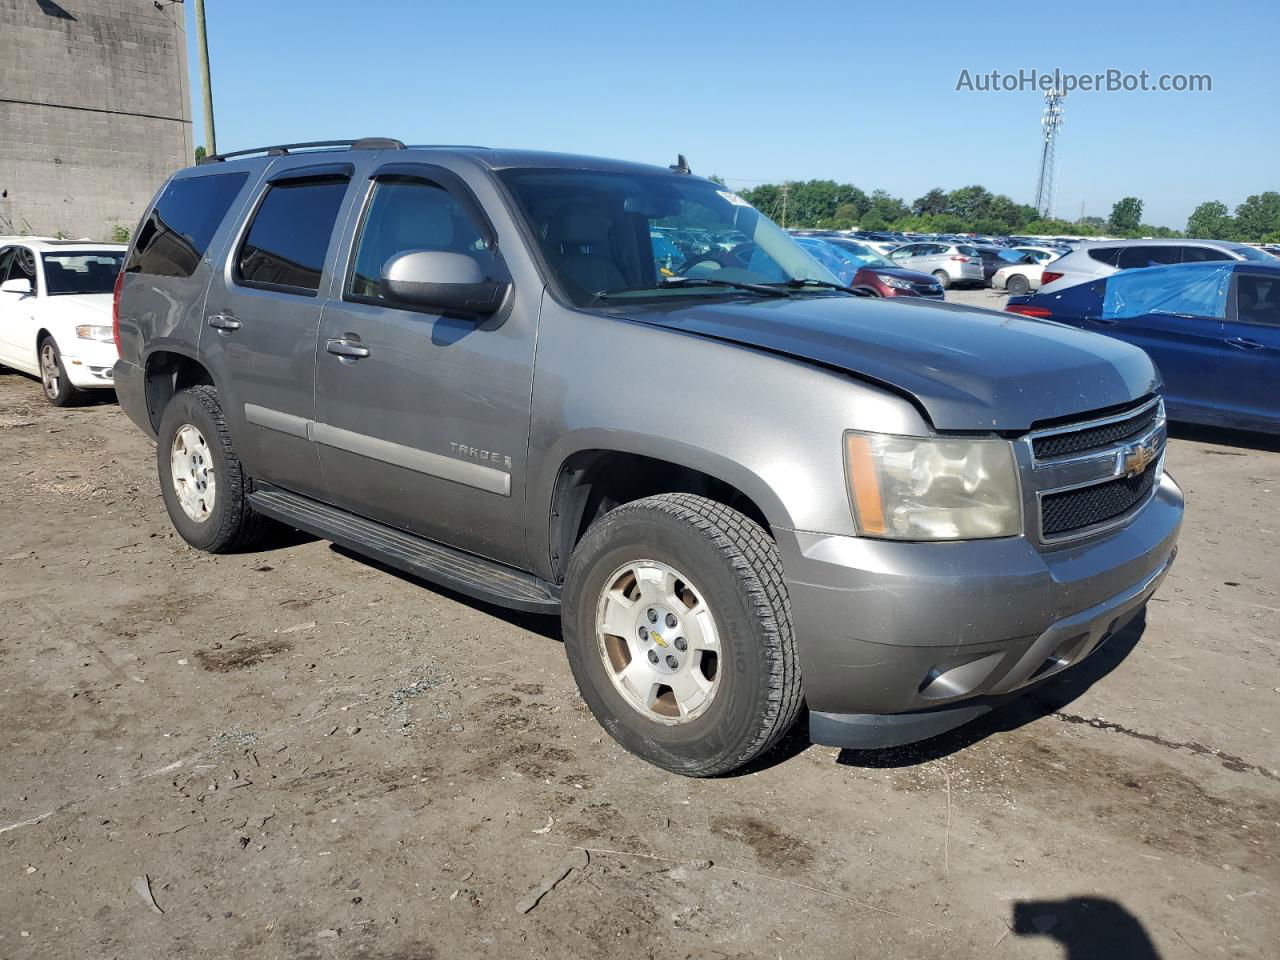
<point x="826" y="204"/>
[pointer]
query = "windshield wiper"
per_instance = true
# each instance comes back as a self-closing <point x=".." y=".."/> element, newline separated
<point x="795" y="283"/>
<point x="669" y="282"/>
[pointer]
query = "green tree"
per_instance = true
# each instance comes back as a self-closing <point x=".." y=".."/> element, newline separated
<point x="201" y="153"/>
<point x="885" y="207"/>
<point x="1126" y="215"/>
<point x="714" y="178"/>
<point x="969" y="203"/>
<point x="932" y="204"/>
<point x="1258" y="216"/>
<point x="1211" y="221"/>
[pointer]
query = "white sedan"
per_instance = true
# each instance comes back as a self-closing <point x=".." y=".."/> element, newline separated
<point x="1024" y="275"/>
<point x="55" y="313"/>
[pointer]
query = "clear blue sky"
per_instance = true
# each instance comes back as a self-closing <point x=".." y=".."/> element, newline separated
<point x="757" y="91"/>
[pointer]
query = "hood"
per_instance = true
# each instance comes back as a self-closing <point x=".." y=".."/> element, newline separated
<point x="969" y="369"/>
<point x="81" y="307"/>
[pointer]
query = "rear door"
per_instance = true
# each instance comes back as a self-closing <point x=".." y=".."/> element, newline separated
<point x="1250" y="375"/>
<point x="262" y="317"/>
<point x="1177" y="318"/>
<point x="428" y="429"/>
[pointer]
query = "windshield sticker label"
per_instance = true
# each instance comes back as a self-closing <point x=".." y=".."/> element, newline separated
<point x="733" y="198"/>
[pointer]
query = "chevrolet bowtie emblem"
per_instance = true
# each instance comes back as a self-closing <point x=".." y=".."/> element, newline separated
<point x="657" y="638"/>
<point x="1136" y="458"/>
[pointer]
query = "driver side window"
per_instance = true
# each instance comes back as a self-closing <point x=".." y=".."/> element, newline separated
<point x="406" y="214"/>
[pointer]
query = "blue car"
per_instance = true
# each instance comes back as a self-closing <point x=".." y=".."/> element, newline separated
<point x="1212" y="328"/>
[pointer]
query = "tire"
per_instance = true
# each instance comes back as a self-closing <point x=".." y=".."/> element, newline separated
<point x="727" y="562"/>
<point x="193" y="433"/>
<point x="58" y="388"/>
<point x="1018" y="285"/>
<point x="943" y="278"/>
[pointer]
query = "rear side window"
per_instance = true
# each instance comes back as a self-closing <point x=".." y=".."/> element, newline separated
<point x="1132" y="258"/>
<point x="406" y="214"/>
<point x="1202" y="254"/>
<point x="176" y="234"/>
<point x="1107" y="255"/>
<point x="289" y="238"/>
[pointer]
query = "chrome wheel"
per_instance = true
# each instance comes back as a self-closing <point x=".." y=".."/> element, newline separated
<point x="50" y="372"/>
<point x="659" y="641"/>
<point x="191" y="467"/>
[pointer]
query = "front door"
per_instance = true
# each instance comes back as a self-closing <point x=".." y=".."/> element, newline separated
<point x="17" y="263"/>
<point x="262" y="316"/>
<point x="427" y="428"/>
<point x="1251" y="353"/>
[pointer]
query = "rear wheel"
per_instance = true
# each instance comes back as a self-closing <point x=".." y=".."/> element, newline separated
<point x="58" y="390"/>
<point x="1018" y="285"/>
<point x="943" y="278"/>
<point x="678" y="630"/>
<point x="204" y="485"/>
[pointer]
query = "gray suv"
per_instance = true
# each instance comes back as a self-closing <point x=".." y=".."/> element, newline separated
<point x="742" y="488"/>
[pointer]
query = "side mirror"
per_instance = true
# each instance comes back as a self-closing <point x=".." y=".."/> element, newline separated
<point x="449" y="282"/>
<point x="20" y="285"/>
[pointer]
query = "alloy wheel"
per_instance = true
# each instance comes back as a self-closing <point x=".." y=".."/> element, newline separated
<point x="191" y="470"/>
<point x="659" y="641"/>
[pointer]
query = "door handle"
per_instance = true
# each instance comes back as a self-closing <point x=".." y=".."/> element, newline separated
<point x="348" y="351"/>
<point x="223" y="322"/>
<point x="1244" y="343"/>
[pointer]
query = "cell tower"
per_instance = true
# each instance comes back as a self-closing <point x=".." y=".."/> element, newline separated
<point x="1050" y="121"/>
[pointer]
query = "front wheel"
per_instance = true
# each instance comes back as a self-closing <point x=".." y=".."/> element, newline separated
<point x="677" y="626"/>
<point x="1018" y="285"/>
<point x="58" y="389"/>
<point x="204" y="485"/>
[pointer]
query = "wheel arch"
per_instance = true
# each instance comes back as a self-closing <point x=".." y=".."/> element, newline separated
<point x="167" y="371"/>
<point x="598" y="477"/>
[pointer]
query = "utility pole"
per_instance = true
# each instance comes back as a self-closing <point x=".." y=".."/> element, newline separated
<point x="202" y="41"/>
<point x="785" y="188"/>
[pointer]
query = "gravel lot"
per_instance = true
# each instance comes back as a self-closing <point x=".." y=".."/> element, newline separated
<point x="300" y="754"/>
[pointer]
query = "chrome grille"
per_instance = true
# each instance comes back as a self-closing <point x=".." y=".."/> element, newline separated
<point x="1070" y="510"/>
<point x="1080" y="439"/>
<point x="1092" y="475"/>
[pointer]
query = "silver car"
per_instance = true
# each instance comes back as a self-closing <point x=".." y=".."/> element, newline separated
<point x="1093" y="260"/>
<point x="950" y="263"/>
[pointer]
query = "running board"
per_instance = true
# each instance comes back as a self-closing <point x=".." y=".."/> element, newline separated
<point x="474" y="576"/>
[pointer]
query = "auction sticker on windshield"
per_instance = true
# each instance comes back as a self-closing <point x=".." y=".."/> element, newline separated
<point x="733" y="198"/>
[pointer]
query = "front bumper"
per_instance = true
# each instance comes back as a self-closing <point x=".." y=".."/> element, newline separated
<point x="902" y="641"/>
<point x="89" y="363"/>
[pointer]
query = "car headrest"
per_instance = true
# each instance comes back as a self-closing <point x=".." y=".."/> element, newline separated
<point x="579" y="224"/>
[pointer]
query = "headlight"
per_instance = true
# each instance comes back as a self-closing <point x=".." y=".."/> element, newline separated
<point x="914" y="488"/>
<point x="94" y="332"/>
<point x="896" y="282"/>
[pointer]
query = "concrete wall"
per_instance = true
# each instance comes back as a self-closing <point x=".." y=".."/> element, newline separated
<point x="95" y="112"/>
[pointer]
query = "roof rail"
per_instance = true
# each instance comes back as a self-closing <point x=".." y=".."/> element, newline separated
<point x="280" y="150"/>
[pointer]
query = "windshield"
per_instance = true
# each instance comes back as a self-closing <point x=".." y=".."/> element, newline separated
<point x="861" y="253"/>
<point x="81" y="272"/>
<point x="597" y="231"/>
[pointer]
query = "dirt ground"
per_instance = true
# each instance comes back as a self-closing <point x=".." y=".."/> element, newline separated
<point x="300" y="754"/>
